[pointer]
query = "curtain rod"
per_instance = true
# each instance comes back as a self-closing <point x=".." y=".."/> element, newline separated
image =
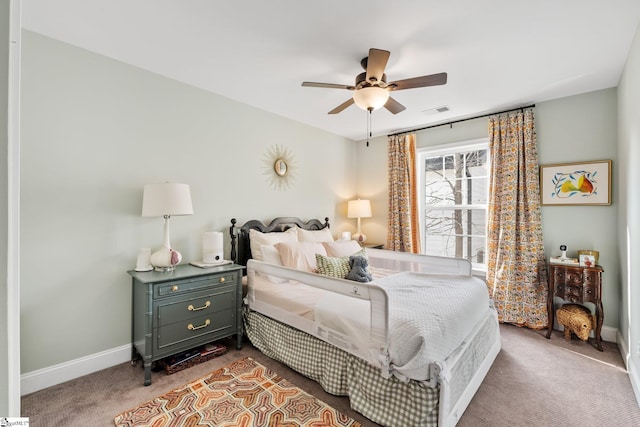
<point x="461" y="120"/>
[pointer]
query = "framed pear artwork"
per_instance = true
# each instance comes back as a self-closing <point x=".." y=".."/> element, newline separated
<point x="585" y="183"/>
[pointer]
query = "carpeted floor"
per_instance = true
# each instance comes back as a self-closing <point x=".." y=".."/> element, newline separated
<point x="534" y="382"/>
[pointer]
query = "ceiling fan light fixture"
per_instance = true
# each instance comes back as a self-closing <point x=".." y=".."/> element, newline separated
<point x="371" y="97"/>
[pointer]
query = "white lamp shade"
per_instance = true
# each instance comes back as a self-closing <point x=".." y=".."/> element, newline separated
<point x="372" y="97"/>
<point x="359" y="209"/>
<point x="166" y="199"/>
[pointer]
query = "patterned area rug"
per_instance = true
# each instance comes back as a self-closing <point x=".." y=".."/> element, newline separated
<point x="244" y="393"/>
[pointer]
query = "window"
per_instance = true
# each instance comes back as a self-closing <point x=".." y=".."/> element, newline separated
<point x="453" y="190"/>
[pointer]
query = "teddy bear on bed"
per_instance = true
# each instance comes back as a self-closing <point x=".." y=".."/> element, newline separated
<point x="359" y="269"/>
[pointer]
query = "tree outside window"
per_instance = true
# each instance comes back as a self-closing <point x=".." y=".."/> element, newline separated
<point x="455" y="187"/>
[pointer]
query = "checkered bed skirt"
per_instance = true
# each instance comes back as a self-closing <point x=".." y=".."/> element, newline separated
<point x="388" y="402"/>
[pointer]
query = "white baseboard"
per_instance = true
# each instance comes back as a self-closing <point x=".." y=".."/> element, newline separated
<point x="609" y="334"/>
<point x="632" y="369"/>
<point x="57" y="374"/>
<point x="622" y="346"/>
<point x="62" y="372"/>
<point x="635" y="379"/>
<point x="606" y="334"/>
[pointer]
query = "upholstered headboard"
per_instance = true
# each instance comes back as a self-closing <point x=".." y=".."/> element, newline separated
<point x="240" y="249"/>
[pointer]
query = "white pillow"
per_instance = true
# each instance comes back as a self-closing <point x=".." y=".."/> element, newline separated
<point x="270" y="255"/>
<point x="300" y="255"/>
<point x="257" y="238"/>
<point x="341" y="248"/>
<point x="323" y="235"/>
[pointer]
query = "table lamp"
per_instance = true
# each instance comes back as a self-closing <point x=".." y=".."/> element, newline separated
<point x="165" y="200"/>
<point x="359" y="209"/>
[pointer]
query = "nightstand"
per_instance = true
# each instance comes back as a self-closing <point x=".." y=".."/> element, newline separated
<point x="576" y="284"/>
<point x="182" y="309"/>
<point x="372" y="245"/>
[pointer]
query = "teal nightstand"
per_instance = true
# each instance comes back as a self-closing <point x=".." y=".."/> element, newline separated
<point x="182" y="309"/>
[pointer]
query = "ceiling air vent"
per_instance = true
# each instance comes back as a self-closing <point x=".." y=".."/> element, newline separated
<point x="437" y="110"/>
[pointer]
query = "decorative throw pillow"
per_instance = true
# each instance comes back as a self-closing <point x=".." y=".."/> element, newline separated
<point x="323" y="235"/>
<point x="341" y="248"/>
<point x="337" y="267"/>
<point x="257" y="238"/>
<point x="300" y="255"/>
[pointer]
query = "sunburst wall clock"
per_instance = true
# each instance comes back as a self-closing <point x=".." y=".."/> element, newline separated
<point x="279" y="167"/>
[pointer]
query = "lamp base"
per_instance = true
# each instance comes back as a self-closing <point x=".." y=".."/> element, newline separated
<point x="359" y="237"/>
<point x="165" y="259"/>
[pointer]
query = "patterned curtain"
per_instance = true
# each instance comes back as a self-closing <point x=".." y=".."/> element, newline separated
<point x="516" y="269"/>
<point x="403" y="200"/>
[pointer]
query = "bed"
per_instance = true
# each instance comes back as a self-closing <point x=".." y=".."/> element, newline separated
<point x="409" y="348"/>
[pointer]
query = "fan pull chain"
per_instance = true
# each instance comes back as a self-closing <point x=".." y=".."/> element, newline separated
<point x="369" y="125"/>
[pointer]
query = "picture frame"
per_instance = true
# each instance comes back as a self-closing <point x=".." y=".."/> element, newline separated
<point x="587" y="260"/>
<point x="580" y="183"/>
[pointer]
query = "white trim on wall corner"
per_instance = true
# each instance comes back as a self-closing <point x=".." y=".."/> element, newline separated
<point x="622" y="346"/>
<point x="609" y="334"/>
<point x="13" y="211"/>
<point x="62" y="372"/>
<point x="632" y="369"/>
<point x="635" y="379"/>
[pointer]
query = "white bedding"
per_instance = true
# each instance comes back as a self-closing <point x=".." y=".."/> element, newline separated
<point x="429" y="316"/>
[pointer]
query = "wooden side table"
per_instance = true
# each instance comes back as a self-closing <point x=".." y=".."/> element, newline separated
<point x="576" y="284"/>
<point x="372" y="245"/>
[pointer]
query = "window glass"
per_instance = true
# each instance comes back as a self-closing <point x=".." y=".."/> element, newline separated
<point x="453" y="200"/>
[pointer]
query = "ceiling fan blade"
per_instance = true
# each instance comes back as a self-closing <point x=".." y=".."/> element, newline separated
<point x="342" y="106"/>
<point x="423" y="81"/>
<point x="394" y="106"/>
<point x="376" y="63"/>
<point x="328" y="85"/>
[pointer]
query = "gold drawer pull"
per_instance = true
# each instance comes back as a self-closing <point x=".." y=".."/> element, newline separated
<point x="222" y="280"/>
<point x="192" y="308"/>
<point x="193" y="328"/>
<point x="174" y="288"/>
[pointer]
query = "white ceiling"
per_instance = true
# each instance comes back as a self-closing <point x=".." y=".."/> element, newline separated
<point x="498" y="54"/>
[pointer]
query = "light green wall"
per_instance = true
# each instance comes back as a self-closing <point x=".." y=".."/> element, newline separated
<point x="569" y="129"/>
<point x="574" y="129"/>
<point x="94" y="131"/>
<point x="4" y="143"/>
<point x="628" y="173"/>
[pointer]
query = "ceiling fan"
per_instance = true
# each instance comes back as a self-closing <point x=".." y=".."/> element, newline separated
<point x="371" y="90"/>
